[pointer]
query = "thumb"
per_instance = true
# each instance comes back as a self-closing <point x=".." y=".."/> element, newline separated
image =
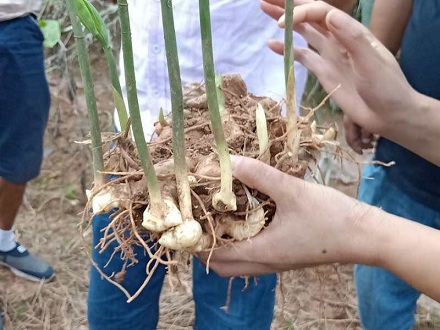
<point x="260" y="176"/>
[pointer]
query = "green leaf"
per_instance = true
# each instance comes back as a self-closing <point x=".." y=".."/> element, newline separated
<point x="119" y="103"/>
<point x="51" y="31"/>
<point x="92" y="20"/>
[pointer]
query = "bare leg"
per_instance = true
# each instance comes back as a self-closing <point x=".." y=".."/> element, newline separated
<point x="11" y="197"/>
<point x="12" y="254"/>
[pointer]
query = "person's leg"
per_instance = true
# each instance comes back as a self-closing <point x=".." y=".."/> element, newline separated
<point x="11" y="196"/>
<point x="107" y="305"/>
<point x="384" y="300"/>
<point x="24" y="107"/>
<point x="247" y="308"/>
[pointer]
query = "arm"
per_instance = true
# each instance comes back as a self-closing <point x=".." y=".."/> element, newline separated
<point x="366" y="80"/>
<point x="315" y="225"/>
<point x="389" y="20"/>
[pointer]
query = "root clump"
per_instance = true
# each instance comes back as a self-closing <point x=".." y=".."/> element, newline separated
<point x="127" y="194"/>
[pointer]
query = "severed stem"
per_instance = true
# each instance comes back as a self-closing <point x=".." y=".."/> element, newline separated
<point x="225" y="200"/>
<point x="157" y="206"/>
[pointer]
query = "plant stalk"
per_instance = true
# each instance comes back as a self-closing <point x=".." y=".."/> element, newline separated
<point x="292" y="119"/>
<point x="289" y="72"/>
<point x="156" y="202"/>
<point x="175" y="80"/>
<point x="288" y="40"/>
<point x="226" y="196"/>
<point x="84" y="64"/>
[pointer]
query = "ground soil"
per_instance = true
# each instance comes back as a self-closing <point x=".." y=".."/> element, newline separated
<point x="318" y="298"/>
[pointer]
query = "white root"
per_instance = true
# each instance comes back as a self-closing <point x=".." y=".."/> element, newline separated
<point x="329" y="135"/>
<point x="262" y="134"/>
<point x="183" y="236"/>
<point x="104" y="201"/>
<point x="224" y="201"/>
<point x="204" y="243"/>
<point x="239" y="229"/>
<point x="159" y="224"/>
<point x="243" y="229"/>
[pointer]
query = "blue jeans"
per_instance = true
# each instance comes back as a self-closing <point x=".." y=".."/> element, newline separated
<point x="251" y="308"/>
<point x="385" y="301"/>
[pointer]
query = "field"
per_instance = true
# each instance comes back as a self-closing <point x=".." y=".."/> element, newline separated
<point x="319" y="298"/>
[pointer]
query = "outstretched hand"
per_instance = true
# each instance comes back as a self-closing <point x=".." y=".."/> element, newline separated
<point x="311" y="225"/>
<point x="373" y="91"/>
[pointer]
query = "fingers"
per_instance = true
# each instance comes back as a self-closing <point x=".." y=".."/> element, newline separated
<point x="278" y="3"/>
<point x="313" y="12"/>
<point x="312" y="61"/>
<point x="367" y="139"/>
<point x="357" y="137"/>
<point x="353" y="135"/>
<point x="240" y="268"/>
<point x="276" y="46"/>
<point x="356" y="39"/>
<point x="314" y="38"/>
<point x="273" y="11"/>
<point x="260" y="176"/>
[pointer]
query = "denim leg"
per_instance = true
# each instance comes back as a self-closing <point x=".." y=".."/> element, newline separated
<point x="107" y="305"/>
<point x="385" y="301"/>
<point x="249" y="309"/>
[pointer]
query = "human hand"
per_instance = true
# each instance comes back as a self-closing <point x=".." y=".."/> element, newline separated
<point x="312" y="225"/>
<point x="373" y="91"/>
<point x="357" y="137"/>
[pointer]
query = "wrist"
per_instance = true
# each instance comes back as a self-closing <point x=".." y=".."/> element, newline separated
<point x="363" y="235"/>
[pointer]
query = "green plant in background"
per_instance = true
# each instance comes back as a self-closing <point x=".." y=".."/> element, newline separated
<point x="93" y="22"/>
<point x="51" y="31"/>
<point x="84" y="63"/>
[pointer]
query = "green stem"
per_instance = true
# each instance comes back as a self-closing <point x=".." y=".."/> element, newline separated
<point x="177" y="110"/>
<point x="289" y="71"/>
<point x="288" y="40"/>
<point x="208" y="68"/>
<point x="156" y="201"/>
<point x="84" y="64"/>
<point x="220" y="94"/>
<point x="120" y="107"/>
<point x="292" y="139"/>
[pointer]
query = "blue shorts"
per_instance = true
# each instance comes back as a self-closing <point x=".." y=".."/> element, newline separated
<point x="385" y="301"/>
<point x="249" y="309"/>
<point x="24" y="99"/>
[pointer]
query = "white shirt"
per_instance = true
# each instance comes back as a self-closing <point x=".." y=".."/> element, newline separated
<point x="240" y="31"/>
<point x="10" y="9"/>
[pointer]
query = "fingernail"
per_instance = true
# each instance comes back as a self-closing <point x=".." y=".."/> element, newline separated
<point x="281" y="21"/>
<point x="365" y="141"/>
<point x="337" y="18"/>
